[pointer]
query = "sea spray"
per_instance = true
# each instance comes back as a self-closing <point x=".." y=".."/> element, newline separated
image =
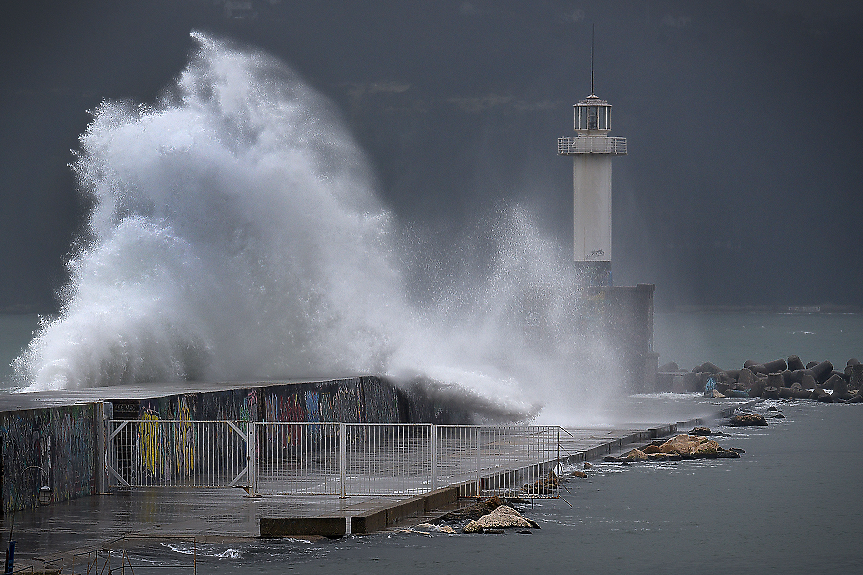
<point x="235" y="234"/>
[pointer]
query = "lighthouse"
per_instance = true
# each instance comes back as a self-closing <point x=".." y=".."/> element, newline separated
<point x="592" y="150"/>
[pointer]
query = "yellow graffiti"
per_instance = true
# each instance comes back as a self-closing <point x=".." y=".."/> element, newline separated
<point x="184" y="446"/>
<point x="149" y="436"/>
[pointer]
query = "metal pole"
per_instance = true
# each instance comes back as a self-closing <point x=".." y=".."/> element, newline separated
<point x="252" y="457"/>
<point x="433" y="445"/>
<point x="343" y="458"/>
<point x="478" y="484"/>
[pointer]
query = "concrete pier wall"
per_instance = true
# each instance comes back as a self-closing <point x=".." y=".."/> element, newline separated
<point x="54" y="448"/>
<point x="60" y="447"/>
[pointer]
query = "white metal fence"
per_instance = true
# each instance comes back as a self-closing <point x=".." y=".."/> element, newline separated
<point x="591" y="145"/>
<point x="334" y="458"/>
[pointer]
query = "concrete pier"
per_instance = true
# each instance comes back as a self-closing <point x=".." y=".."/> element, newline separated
<point x="146" y="516"/>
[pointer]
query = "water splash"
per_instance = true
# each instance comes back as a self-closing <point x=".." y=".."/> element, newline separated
<point x="235" y="235"/>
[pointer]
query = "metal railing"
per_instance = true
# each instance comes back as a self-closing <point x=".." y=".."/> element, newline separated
<point x="331" y="458"/>
<point x="177" y="453"/>
<point x="591" y="145"/>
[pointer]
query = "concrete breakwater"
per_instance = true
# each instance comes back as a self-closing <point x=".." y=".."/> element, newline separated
<point x="51" y="442"/>
<point x="777" y="379"/>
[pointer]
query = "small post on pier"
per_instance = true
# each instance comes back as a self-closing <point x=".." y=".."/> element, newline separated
<point x="433" y="447"/>
<point x="343" y="458"/>
<point x="252" y="457"/>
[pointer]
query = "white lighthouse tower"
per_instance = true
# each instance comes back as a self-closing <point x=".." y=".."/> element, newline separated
<point x="592" y="150"/>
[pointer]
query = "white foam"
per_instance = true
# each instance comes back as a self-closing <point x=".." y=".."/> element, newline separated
<point x="236" y="234"/>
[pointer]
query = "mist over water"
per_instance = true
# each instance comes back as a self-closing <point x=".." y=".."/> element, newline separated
<point x="236" y="235"/>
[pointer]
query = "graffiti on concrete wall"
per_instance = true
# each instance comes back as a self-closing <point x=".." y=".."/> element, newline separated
<point x="47" y="448"/>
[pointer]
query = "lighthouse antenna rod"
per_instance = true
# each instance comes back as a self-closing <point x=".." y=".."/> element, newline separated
<point x="592" y="39"/>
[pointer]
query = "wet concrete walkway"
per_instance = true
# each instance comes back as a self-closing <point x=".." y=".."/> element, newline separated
<point x="209" y="515"/>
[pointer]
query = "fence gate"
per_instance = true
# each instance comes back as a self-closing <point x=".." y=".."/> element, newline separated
<point x="165" y="453"/>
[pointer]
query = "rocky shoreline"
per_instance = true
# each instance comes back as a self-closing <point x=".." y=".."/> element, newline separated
<point x="778" y="379"/>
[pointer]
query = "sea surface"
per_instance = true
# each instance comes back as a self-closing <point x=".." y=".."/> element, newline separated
<point x="790" y="504"/>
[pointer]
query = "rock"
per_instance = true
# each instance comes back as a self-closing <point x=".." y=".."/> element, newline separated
<point x="776" y="366"/>
<point x="700" y="431"/>
<point x="428" y="527"/>
<point x="840" y="387"/>
<point x="504" y="517"/>
<point x="747" y="419"/>
<point x="794" y="363"/>
<point x="635" y="455"/>
<point x="542" y="486"/>
<point x="611" y="459"/>
<point x="746" y="377"/>
<point x="587" y="465"/>
<point x="856" y="377"/>
<point x="785" y="393"/>
<point x="708" y="367"/>
<point x="580" y="474"/>
<point x="822" y="371"/>
<point x="811" y="364"/>
<point x="757" y="387"/>
<point x="693" y="446"/>
<point x="525" y="531"/>
<point x="716" y="394"/>
<point x="770" y="393"/>
<point x="775" y="380"/>
<point x="727" y="454"/>
<point x="650" y="449"/>
<point x="474" y="511"/>
<point x="472" y="527"/>
<point x="808" y="381"/>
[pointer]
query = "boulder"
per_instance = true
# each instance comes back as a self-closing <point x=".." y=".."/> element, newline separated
<point x="776" y="366"/>
<point x="579" y="474"/>
<point x="690" y="446"/>
<point x="504" y="517"/>
<point x="775" y="380"/>
<point x="839" y="387"/>
<point x="822" y="371"/>
<point x="700" y="431"/>
<point x="794" y="363"/>
<point x="747" y="419"/>
<point x="542" y="486"/>
<point x="708" y="367"/>
<point x="635" y="455"/>
<point x="746" y="377"/>
<point x="856" y="377"/>
<point x="757" y="387"/>
<point x="770" y="392"/>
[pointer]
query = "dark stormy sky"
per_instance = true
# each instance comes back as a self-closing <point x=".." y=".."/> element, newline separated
<point x="742" y="185"/>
